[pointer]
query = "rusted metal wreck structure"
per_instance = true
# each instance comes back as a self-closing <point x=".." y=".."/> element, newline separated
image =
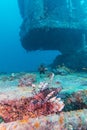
<point x="56" y="25"/>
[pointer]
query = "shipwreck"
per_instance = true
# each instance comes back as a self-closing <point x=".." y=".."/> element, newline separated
<point x="56" y="25"/>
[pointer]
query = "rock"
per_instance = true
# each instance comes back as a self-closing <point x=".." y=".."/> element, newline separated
<point x="73" y="60"/>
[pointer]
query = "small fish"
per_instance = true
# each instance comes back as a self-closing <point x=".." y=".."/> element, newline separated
<point x="84" y="68"/>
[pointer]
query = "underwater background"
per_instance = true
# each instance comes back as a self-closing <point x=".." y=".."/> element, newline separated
<point x="13" y="58"/>
<point x="43" y="64"/>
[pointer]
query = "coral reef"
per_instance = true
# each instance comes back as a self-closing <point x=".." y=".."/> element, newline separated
<point x="27" y="80"/>
<point x="61" y="70"/>
<point x="51" y="107"/>
<point x="75" y="101"/>
<point x="43" y="103"/>
<point x="73" y="120"/>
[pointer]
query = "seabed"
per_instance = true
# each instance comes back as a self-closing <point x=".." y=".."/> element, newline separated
<point x="18" y="89"/>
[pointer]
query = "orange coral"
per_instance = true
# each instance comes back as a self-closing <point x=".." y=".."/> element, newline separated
<point x="24" y="121"/>
<point x="61" y="119"/>
<point x="37" y="124"/>
<point x="15" y="126"/>
<point x="3" y="128"/>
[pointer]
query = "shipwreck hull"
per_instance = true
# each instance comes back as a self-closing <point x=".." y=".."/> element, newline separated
<point x="53" y="39"/>
<point x="54" y="25"/>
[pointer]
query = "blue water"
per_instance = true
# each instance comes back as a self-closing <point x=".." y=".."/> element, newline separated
<point x="13" y="58"/>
